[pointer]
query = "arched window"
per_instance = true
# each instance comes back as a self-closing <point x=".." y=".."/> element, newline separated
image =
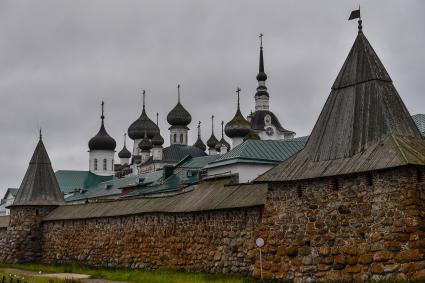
<point x="104" y="164"/>
<point x="95" y="164"/>
<point x="181" y="138"/>
<point x="175" y="138"/>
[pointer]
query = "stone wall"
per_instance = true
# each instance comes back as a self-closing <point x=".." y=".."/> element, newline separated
<point x="217" y="241"/>
<point x="24" y="233"/>
<point x="347" y="228"/>
<point x="363" y="227"/>
<point x="2" y="239"/>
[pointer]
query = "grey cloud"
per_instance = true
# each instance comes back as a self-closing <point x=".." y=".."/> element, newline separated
<point x="59" y="59"/>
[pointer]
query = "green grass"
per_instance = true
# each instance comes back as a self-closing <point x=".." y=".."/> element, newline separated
<point x="33" y="279"/>
<point x="131" y="275"/>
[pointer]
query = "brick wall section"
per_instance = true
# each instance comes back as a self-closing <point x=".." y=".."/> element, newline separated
<point x="206" y="241"/>
<point x="317" y="231"/>
<point x="23" y="236"/>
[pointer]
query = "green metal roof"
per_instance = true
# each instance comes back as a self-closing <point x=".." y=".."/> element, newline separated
<point x="261" y="151"/>
<point x="198" y="162"/>
<point x="419" y="120"/>
<point x="69" y="180"/>
<point x="113" y="187"/>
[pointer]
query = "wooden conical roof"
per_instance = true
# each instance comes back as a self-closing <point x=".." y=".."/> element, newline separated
<point x="363" y="126"/>
<point x="39" y="186"/>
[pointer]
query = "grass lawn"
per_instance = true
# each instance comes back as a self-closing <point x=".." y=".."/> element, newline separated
<point x="131" y="275"/>
<point x="32" y="279"/>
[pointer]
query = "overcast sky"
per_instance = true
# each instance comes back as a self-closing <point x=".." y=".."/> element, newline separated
<point x="60" y="59"/>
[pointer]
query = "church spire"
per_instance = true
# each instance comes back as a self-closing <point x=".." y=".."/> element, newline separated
<point x="199" y="143"/>
<point x="261" y="96"/>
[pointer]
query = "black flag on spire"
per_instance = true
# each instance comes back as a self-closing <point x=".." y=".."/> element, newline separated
<point x="355" y="14"/>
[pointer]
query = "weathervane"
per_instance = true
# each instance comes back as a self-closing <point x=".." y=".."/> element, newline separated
<point x="261" y="40"/>
<point x="40" y="135"/>
<point x="356" y="15"/>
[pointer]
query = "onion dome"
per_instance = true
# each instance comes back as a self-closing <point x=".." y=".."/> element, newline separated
<point x="124" y="153"/>
<point x="238" y="127"/>
<point x="252" y="135"/>
<point x="142" y="125"/>
<point x="145" y="144"/>
<point x="212" y="141"/>
<point x="179" y="116"/>
<point x="157" y="140"/>
<point x="199" y="143"/>
<point x="222" y="141"/>
<point x="102" y="140"/>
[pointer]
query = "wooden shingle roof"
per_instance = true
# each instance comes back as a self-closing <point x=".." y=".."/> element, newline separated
<point x="39" y="186"/>
<point x="363" y="126"/>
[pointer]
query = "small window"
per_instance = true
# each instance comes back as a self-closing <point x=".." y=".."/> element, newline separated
<point x="300" y="191"/>
<point x="369" y="180"/>
<point x="175" y="138"/>
<point x="104" y="164"/>
<point x="335" y="184"/>
<point x="36" y="212"/>
<point x="95" y="164"/>
<point x="112" y="164"/>
<point x="419" y="176"/>
<point x="181" y="138"/>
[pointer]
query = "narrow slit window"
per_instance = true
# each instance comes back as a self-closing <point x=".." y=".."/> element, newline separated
<point x="419" y="176"/>
<point x="300" y="191"/>
<point x="369" y="180"/>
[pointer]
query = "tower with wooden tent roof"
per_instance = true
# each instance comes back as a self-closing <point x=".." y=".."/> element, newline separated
<point x="38" y="195"/>
<point x="359" y="179"/>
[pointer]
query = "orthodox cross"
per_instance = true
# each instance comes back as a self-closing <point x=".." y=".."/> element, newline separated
<point x="238" y="90"/>
<point x="103" y="104"/>
<point x="178" y="92"/>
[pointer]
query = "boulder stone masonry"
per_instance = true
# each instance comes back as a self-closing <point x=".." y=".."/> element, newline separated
<point x="360" y="227"/>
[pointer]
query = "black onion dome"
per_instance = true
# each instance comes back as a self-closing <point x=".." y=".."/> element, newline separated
<point x="124" y="153"/>
<point x="179" y="116"/>
<point x="102" y="140"/>
<point x="145" y="144"/>
<point x="157" y="140"/>
<point x="212" y="141"/>
<point x="141" y="126"/>
<point x="200" y="144"/>
<point x="238" y="127"/>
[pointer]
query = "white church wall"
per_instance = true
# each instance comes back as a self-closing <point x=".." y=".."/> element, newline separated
<point x="99" y="156"/>
<point x="247" y="171"/>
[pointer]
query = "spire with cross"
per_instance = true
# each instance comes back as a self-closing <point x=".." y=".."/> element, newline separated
<point x="212" y="124"/>
<point x="143" y="98"/>
<point x="178" y="93"/>
<point x="238" y="90"/>
<point x="103" y="105"/>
